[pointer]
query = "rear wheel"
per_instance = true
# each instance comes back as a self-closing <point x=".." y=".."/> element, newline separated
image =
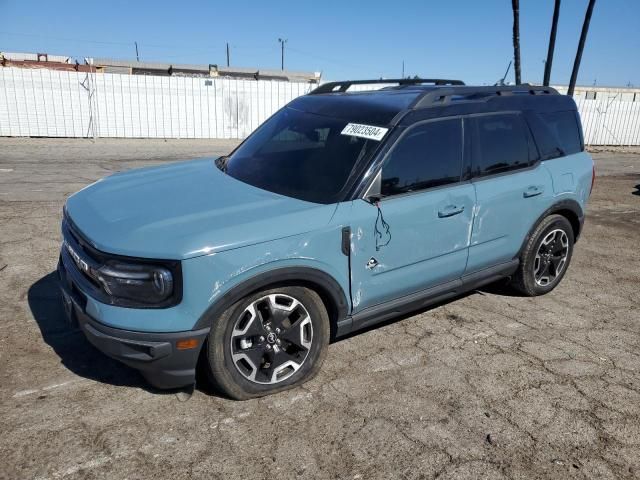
<point x="269" y="341"/>
<point x="546" y="257"/>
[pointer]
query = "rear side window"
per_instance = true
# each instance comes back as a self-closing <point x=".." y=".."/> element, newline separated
<point x="563" y="126"/>
<point x="501" y="143"/>
<point x="428" y="155"/>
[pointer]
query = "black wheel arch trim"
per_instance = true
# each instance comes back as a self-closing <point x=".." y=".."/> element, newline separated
<point x="330" y="290"/>
<point x="562" y="206"/>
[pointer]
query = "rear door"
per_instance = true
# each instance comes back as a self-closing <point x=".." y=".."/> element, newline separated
<point x="512" y="187"/>
<point x="417" y="236"/>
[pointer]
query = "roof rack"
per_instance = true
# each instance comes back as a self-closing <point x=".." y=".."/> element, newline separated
<point x="343" y="86"/>
<point x="443" y="96"/>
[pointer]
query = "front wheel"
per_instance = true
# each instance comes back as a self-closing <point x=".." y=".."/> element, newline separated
<point x="546" y="257"/>
<point x="270" y="341"/>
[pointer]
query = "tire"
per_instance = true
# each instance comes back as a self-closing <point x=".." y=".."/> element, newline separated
<point x="268" y="342"/>
<point x="554" y="231"/>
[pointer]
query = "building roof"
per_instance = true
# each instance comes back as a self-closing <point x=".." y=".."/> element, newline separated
<point x="110" y="62"/>
<point x="209" y="69"/>
<point x="289" y="75"/>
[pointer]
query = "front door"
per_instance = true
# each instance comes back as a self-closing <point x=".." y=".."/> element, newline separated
<point x="417" y="236"/>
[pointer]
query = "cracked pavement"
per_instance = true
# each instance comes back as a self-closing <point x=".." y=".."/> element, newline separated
<point x="490" y="385"/>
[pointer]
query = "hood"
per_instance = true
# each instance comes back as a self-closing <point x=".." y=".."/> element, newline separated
<point x="183" y="210"/>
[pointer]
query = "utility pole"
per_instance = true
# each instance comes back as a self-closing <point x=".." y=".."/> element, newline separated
<point x="515" y="5"/>
<point x="583" y="38"/>
<point x="137" y="56"/>
<point x="402" y="69"/>
<point x="228" y="54"/>
<point x="552" y="44"/>
<point x="282" y="42"/>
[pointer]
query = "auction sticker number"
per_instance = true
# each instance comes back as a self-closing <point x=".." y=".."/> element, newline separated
<point x="364" y="131"/>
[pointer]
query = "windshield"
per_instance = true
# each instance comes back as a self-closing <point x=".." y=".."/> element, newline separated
<point x="300" y="155"/>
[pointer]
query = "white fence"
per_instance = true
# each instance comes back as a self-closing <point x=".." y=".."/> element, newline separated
<point x="51" y="103"/>
<point x="610" y="120"/>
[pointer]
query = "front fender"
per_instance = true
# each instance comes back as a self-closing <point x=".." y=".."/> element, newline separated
<point x="215" y="282"/>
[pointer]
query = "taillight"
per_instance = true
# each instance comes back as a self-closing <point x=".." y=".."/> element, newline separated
<point x="593" y="177"/>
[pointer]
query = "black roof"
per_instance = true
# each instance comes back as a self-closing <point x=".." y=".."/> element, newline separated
<point x="371" y="107"/>
<point x="412" y="100"/>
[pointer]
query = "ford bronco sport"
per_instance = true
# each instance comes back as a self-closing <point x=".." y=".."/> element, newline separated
<point x="343" y="209"/>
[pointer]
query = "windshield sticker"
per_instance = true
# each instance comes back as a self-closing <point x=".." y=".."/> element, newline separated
<point x="364" y="131"/>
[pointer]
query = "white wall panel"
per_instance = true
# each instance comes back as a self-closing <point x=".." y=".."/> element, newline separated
<point x="51" y="103"/>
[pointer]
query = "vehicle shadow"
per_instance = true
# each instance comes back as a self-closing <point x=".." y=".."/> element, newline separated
<point x="84" y="360"/>
<point x="637" y="190"/>
<point x="69" y="343"/>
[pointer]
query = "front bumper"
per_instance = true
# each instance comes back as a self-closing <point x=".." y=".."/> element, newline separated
<point x="155" y="355"/>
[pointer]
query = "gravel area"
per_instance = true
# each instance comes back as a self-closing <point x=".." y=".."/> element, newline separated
<point x="489" y="385"/>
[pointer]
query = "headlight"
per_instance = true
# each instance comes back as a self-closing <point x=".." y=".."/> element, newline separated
<point x="140" y="283"/>
<point x="119" y="280"/>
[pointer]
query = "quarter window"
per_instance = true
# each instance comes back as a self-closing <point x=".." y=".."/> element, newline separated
<point x="428" y="155"/>
<point x="501" y="143"/>
<point x="564" y="128"/>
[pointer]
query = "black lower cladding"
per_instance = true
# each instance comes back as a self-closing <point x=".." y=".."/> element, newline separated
<point x="155" y="355"/>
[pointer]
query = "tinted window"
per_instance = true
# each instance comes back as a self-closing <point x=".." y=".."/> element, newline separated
<point x="501" y="143"/>
<point x="428" y="155"/>
<point x="299" y="154"/>
<point x="564" y="128"/>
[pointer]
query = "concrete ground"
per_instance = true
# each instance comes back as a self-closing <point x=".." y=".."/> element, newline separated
<point x="486" y="386"/>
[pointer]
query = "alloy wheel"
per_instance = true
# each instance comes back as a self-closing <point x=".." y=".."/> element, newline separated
<point x="551" y="257"/>
<point x="271" y="339"/>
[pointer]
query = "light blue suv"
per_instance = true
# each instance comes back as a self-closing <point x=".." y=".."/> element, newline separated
<point x="344" y="209"/>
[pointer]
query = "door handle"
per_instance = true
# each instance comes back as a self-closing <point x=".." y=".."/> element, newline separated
<point x="450" y="211"/>
<point x="533" y="191"/>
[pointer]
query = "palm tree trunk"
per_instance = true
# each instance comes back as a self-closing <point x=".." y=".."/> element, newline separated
<point x="583" y="38"/>
<point x="515" y="5"/>
<point x="552" y="44"/>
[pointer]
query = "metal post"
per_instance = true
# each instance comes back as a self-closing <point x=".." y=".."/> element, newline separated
<point x="583" y="38"/>
<point x="228" y="54"/>
<point x="552" y="44"/>
<point x="282" y="42"/>
<point x="137" y="56"/>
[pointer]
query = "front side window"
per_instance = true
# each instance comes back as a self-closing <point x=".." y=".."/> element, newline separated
<point x="501" y="143"/>
<point x="427" y="155"/>
<point x="301" y="155"/>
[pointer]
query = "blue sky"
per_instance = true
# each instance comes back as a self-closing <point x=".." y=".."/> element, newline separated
<point x="464" y="39"/>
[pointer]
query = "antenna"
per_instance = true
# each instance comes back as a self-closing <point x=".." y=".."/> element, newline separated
<point x="501" y="81"/>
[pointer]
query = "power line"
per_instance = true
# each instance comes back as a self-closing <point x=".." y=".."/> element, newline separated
<point x="63" y="39"/>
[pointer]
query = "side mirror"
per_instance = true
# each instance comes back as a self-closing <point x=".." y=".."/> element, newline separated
<point x="373" y="199"/>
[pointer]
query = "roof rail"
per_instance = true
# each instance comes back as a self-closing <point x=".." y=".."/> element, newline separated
<point x="443" y="96"/>
<point x="343" y="86"/>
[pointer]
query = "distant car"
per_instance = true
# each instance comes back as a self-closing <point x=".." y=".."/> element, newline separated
<point x="343" y="209"/>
